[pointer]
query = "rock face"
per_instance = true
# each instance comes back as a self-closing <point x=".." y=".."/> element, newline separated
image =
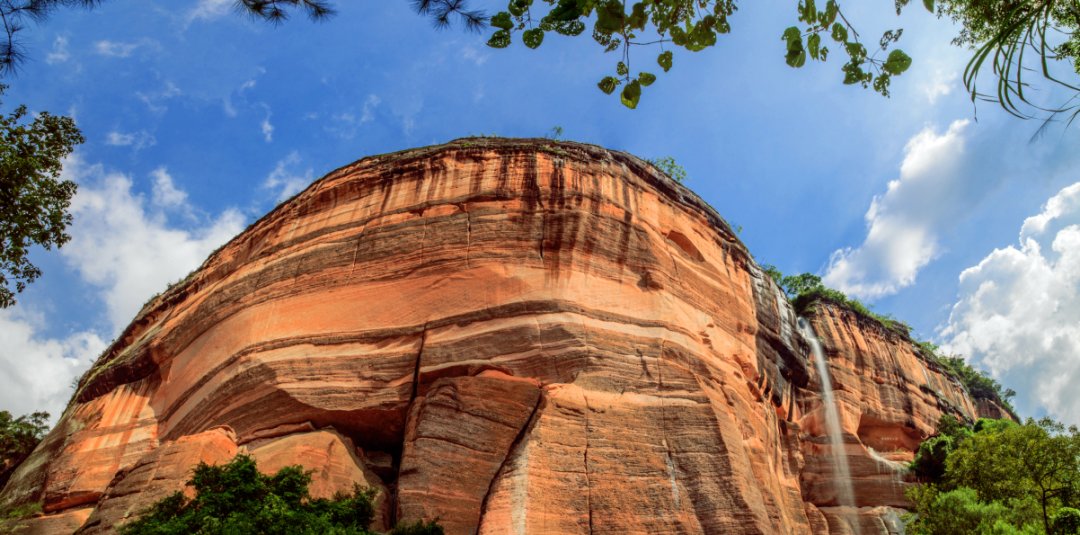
<point x="514" y="336"/>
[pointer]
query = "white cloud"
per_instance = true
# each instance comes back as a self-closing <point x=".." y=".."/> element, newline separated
<point x="59" y="52"/>
<point x="115" y="49"/>
<point x="137" y="140"/>
<point x="287" y="181"/>
<point x="904" y="222"/>
<point x="210" y="9"/>
<point x="127" y="249"/>
<point x="370" y="103"/>
<point x="267" y="130"/>
<point x="123" y="246"/>
<point x="470" y="53"/>
<point x="940" y="84"/>
<point x="1017" y="311"/>
<point x="38" y="371"/>
<point x="165" y="193"/>
<point x="154" y="100"/>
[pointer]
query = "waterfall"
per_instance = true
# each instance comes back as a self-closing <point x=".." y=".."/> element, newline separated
<point x="845" y="496"/>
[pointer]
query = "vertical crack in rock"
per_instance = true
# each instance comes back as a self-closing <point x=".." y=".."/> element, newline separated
<point x="669" y="461"/>
<point x="511" y="454"/>
<point x="352" y="267"/>
<point x="416" y="369"/>
<point x="588" y="478"/>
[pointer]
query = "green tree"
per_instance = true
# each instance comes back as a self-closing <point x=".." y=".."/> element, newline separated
<point x="237" y="498"/>
<point x="33" y="199"/>
<point x="1039" y="459"/>
<point x="18" y="437"/>
<point x="999" y="477"/>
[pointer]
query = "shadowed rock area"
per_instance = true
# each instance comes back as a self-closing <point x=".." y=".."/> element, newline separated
<point x="514" y="336"/>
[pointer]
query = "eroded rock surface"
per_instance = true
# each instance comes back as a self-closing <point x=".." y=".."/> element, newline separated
<point x="515" y="336"/>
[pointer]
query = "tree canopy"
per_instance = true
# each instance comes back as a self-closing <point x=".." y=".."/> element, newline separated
<point x="18" y="437"/>
<point x="237" y="498"/>
<point x="998" y="477"/>
<point x="33" y="199"/>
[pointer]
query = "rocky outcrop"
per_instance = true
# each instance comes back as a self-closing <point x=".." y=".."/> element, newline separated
<point x="514" y="336"/>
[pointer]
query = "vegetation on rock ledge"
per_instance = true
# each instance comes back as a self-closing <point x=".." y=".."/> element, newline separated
<point x="806" y="289"/>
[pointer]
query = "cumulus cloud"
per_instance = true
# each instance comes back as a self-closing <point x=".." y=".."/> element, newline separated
<point x="59" y="52"/>
<point x="126" y="247"/>
<point x="38" y="371"/>
<point x="286" y="180"/>
<point x="137" y="140"/>
<point x="903" y="223"/>
<point x="1017" y="309"/>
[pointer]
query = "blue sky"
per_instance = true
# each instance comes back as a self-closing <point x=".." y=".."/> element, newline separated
<point x="198" y="121"/>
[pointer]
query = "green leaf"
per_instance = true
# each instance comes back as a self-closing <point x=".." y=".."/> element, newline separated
<point x="646" y="78"/>
<point x="631" y="94"/>
<point x="637" y="18"/>
<point x="499" y="39"/>
<point x="796" y="59"/>
<point x="813" y="44"/>
<point x="608" y="84"/>
<point x="533" y="37"/>
<point x="610" y="17"/>
<point x="664" y="60"/>
<point x="792" y="34"/>
<point x="502" y="20"/>
<point x="897" y="62"/>
<point x="517" y="7"/>
<point x="621" y="69"/>
<point x="571" y="28"/>
<point x="839" y="33"/>
<point x="929" y="5"/>
<point x="831" y="10"/>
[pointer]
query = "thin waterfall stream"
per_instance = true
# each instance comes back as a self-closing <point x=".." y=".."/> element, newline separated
<point x="845" y="496"/>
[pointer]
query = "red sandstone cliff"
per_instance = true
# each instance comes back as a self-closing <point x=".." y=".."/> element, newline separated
<point x="515" y="336"/>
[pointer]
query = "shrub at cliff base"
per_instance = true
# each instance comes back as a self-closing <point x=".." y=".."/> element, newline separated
<point x="999" y="477"/>
<point x="236" y="498"/>
<point x="18" y="437"/>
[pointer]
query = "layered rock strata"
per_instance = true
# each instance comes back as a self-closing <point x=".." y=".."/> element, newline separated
<point x="514" y="336"/>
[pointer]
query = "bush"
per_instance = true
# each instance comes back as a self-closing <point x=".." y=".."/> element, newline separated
<point x="18" y="438"/>
<point x="236" y="498"/>
<point x="1067" y="521"/>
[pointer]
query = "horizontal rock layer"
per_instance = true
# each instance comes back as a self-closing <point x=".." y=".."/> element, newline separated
<point x="513" y="336"/>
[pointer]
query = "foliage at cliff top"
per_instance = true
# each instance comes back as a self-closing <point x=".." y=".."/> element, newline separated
<point x="18" y="437"/>
<point x="978" y="384"/>
<point x="806" y="289"/>
<point x="237" y="498"/>
<point x="997" y="477"/>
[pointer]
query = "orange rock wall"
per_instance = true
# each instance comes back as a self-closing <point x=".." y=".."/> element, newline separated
<point x="515" y="336"/>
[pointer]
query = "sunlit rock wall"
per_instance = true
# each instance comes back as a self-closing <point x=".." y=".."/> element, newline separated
<point x="514" y="336"/>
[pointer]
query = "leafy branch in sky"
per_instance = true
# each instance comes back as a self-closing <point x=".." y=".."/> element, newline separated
<point x="33" y="199"/>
